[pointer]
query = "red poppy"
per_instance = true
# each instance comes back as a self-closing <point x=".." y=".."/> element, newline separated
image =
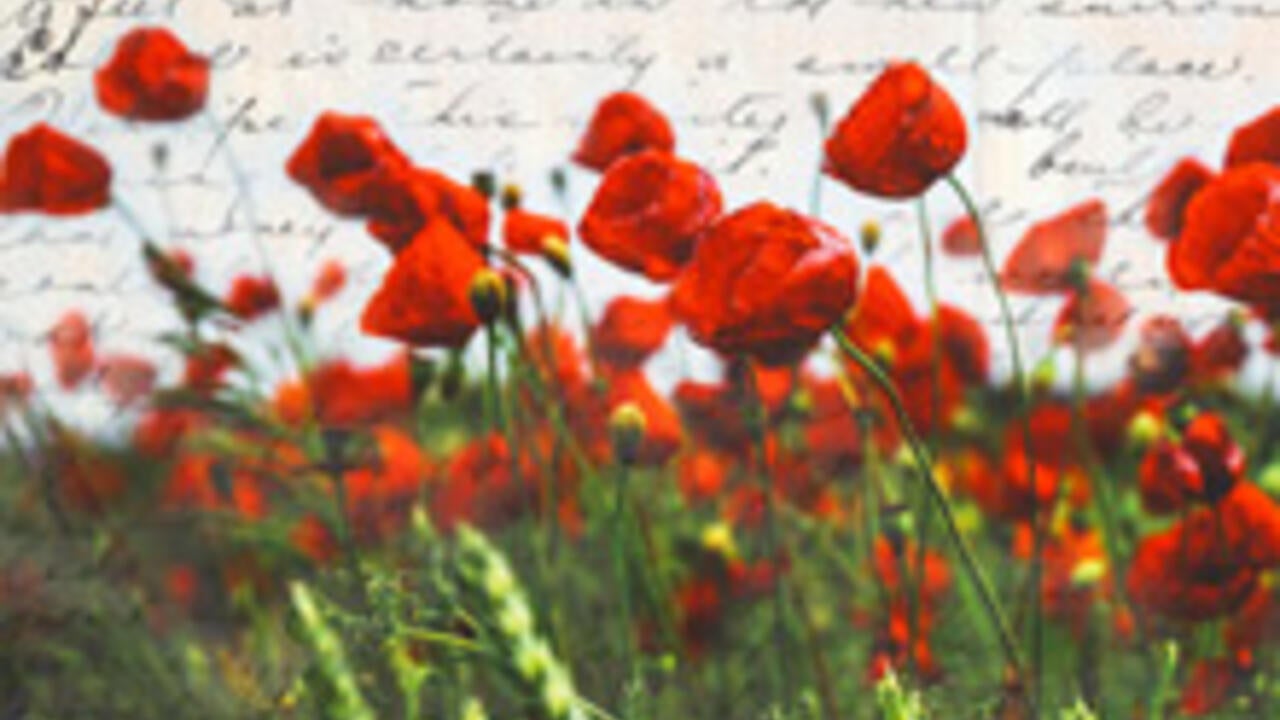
<point x="1219" y="458"/>
<point x="715" y="413"/>
<point x="15" y="388"/>
<point x="207" y="364"/>
<point x="152" y="76"/>
<point x="767" y="283"/>
<point x="1168" y="478"/>
<point x="1210" y="685"/>
<point x="1092" y="318"/>
<point x="50" y="172"/>
<point x="1256" y="142"/>
<point x="964" y="343"/>
<point x="340" y="158"/>
<point x="1221" y="352"/>
<point x="403" y="200"/>
<point x="343" y="395"/>
<point x="883" y="320"/>
<point x="252" y="296"/>
<point x="126" y="378"/>
<point x="647" y="213"/>
<point x="71" y="348"/>
<point x="1162" y="359"/>
<point x="1046" y="259"/>
<point x="702" y="476"/>
<point x="1167" y="207"/>
<point x="623" y="124"/>
<point x="631" y="330"/>
<point x="329" y="281"/>
<point x="961" y="238"/>
<point x="900" y="137"/>
<point x="527" y="232"/>
<point x="425" y="297"/>
<point x="1230" y="242"/>
<point x="484" y="484"/>
<point x="831" y="432"/>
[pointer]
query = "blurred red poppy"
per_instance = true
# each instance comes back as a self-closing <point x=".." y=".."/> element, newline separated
<point x="961" y="238"/>
<point x="152" y="76"/>
<point x="1092" y="318"/>
<point x="648" y="212"/>
<point x="1167" y="207"/>
<point x="71" y="348"/>
<point x="252" y="296"/>
<point x="1257" y="141"/>
<point x="1168" y="478"/>
<point x="329" y="280"/>
<point x="623" y="124"/>
<point x="631" y="329"/>
<point x="1228" y="244"/>
<point x="343" y="395"/>
<point x="339" y="160"/>
<point x="50" y="172"/>
<point x="900" y="137"/>
<point x="767" y="283"/>
<point x="425" y="298"/>
<point x="1046" y="258"/>
<point x="883" y="320"/>
<point x="126" y="378"/>
<point x="528" y="232"/>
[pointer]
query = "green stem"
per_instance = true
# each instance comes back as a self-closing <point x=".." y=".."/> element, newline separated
<point x="924" y="462"/>
<point x="618" y="527"/>
<point x="1028" y="435"/>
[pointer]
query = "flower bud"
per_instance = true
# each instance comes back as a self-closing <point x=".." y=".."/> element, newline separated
<point x="512" y="196"/>
<point x="717" y="538"/>
<point x="627" y="426"/>
<point x="488" y="294"/>
<point x="1144" y="429"/>
<point x="484" y="183"/>
<point x="869" y="236"/>
<point x="556" y="252"/>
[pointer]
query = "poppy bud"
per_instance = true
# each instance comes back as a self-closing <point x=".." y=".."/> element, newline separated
<point x="559" y="181"/>
<point x="488" y="293"/>
<point x="627" y="426"/>
<point x="1043" y="376"/>
<point x="484" y="183"/>
<point x="556" y="252"/>
<point x="717" y="538"/>
<point x="869" y="236"/>
<point x="1269" y="478"/>
<point x="512" y="196"/>
<point x="1144" y="429"/>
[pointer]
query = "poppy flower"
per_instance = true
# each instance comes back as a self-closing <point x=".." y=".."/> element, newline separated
<point x="767" y="283"/>
<point x="15" y="388"/>
<point x="403" y="200"/>
<point x="343" y="395"/>
<point x="50" y="172"/>
<point x="340" y="159"/>
<point x="1092" y="318"/>
<point x="1047" y="257"/>
<point x="647" y="213"/>
<point x="528" y="232"/>
<point x="1221" y="352"/>
<point x="71" y="348"/>
<point x="329" y="281"/>
<point x="831" y="431"/>
<point x="631" y="329"/>
<point x="485" y="483"/>
<point x="1210" y="685"/>
<point x="1228" y="244"/>
<point x="1162" y="359"/>
<point x="1219" y="458"/>
<point x="1167" y="207"/>
<point x="425" y="298"/>
<point x="899" y="138"/>
<point x="961" y="238"/>
<point x="883" y="320"/>
<point x="1168" y="478"/>
<point x="1191" y="572"/>
<point x="126" y="378"/>
<point x="702" y="476"/>
<point x="252" y="296"/>
<point x="206" y="366"/>
<point x="1256" y="142"/>
<point x="624" y="123"/>
<point x="152" y="76"/>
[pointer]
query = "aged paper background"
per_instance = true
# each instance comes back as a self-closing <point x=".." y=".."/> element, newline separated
<point x="1067" y="99"/>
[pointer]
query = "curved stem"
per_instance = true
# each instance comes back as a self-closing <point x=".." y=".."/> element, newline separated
<point x="924" y="461"/>
<point x="1024" y="412"/>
